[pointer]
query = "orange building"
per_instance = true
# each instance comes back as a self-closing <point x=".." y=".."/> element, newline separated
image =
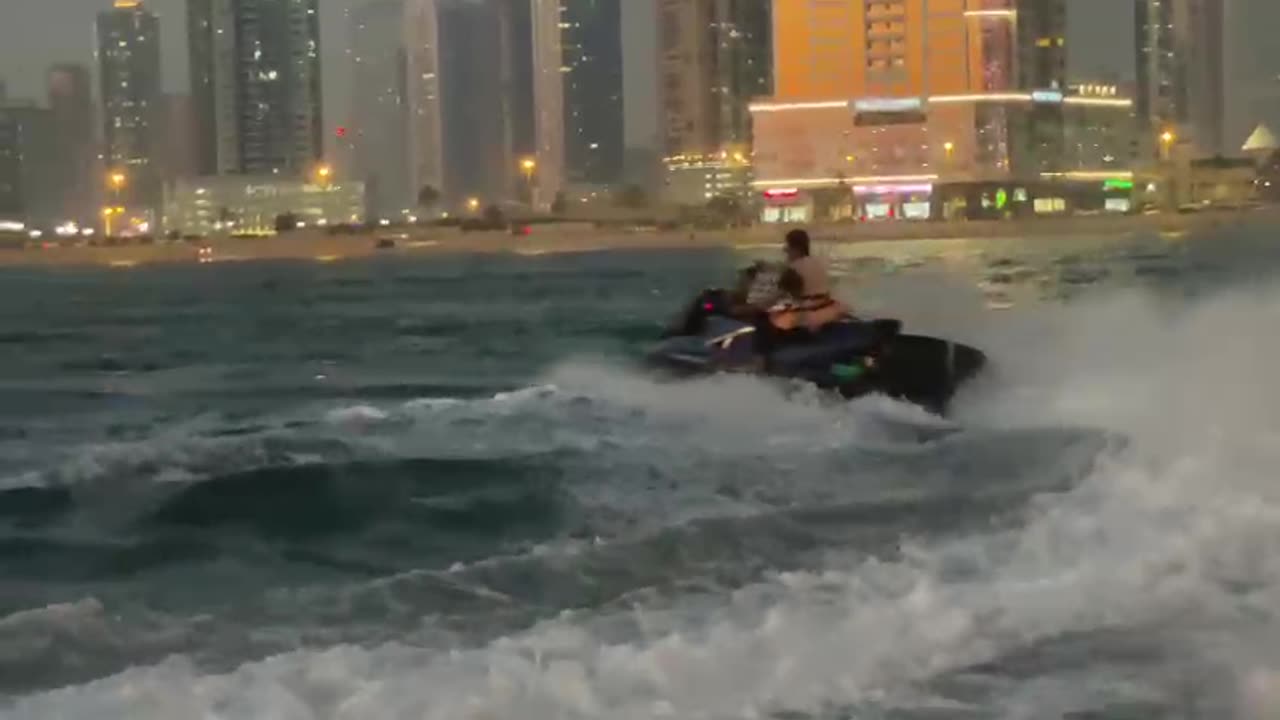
<point x="891" y="48"/>
<point x="924" y="108"/>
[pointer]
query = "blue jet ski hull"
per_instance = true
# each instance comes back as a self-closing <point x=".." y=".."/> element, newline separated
<point x="855" y="358"/>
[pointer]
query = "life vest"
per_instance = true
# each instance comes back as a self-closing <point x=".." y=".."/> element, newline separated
<point x="812" y="315"/>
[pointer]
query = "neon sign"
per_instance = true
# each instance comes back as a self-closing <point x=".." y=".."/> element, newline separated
<point x="887" y="105"/>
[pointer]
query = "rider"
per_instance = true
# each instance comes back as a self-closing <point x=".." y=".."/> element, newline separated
<point x="756" y="290"/>
<point x="809" y="304"/>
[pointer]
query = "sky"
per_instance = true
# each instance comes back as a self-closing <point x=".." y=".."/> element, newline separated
<point x="38" y="33"/>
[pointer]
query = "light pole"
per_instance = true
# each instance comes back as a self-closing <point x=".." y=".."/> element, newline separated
<point x="116" y="181"/>
<point x="1167" y="139"/>
<point x="529" y="166"/>
<point x="324" y="173"/>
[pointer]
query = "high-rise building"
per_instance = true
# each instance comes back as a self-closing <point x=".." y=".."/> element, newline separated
<point x="129" y="68"/>
<point x="474" y="68"/>
<point x="1042" y="44"/>
<point x="425" y="137"/>
<point x="378" y="125"/>
<point x="744" y="64"/>
<point x="1181" y="72"/>
<point x="591" y="47"/>
<point x="179" y="157"/>
<point x="29" y="179"/>
<point x="549" y="103"/>
<point x="518" y="36"/>
<point x="715" y="56"/>
<point x="255" y="79"/>
<point x="573" y="53"/>
<point x="79" y="176"/>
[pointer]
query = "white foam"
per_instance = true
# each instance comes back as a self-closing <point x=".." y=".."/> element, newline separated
<point x="356" y="415"/>
<point x="1129" y="547"/>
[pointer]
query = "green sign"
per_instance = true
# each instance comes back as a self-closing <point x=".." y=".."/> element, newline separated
<point x="1115" y="184"/>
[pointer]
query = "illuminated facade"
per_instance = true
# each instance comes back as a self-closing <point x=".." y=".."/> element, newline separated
<point x="907" y="108"/>
<point x="913" y="48"/>
<point x="250" y="205"/>
<point x="696" y="179"/>
<point x="874" y="145"/>
<point x="128" y="55"/>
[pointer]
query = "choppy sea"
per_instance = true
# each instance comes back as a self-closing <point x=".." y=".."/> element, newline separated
<point x="444" y="488"/>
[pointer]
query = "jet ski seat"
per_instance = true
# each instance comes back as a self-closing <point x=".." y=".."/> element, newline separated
<point x="834" y="343"/>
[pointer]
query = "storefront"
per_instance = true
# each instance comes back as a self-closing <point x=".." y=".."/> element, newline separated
<point x="786" y="206"/>
<point x="873" y="203"/>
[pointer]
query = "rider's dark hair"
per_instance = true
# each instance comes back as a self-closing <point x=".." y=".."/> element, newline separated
<point x="798" y="241"/>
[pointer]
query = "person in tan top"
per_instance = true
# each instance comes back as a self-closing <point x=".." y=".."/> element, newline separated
<point x="810" y="304"/>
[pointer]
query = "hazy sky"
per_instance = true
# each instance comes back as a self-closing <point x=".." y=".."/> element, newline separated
<point x="37" y="33"/>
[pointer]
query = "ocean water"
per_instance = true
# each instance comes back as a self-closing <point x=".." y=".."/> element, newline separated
<point x="444" y="488"/>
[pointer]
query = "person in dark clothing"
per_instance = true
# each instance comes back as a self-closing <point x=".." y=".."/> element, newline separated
<point x="770" y="333"/>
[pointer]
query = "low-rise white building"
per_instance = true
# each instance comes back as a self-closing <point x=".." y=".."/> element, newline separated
<point x="246" y="205"/>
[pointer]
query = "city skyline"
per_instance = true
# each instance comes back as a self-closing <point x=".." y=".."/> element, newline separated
<point x="60" y="31"/>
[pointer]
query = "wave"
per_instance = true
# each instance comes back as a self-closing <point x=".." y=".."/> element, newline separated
<point x="494" y="595"/>
<point x="951" y="624"/>
<point x="1138" y="572"/>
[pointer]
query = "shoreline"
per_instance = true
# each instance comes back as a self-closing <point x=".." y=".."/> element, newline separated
<point x="319" y="246"/>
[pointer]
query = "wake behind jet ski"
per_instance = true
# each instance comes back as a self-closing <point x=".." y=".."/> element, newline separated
<point x="720" y="332"/>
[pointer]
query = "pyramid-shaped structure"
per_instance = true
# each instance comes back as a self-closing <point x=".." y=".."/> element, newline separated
<point x="1262" y="140"/>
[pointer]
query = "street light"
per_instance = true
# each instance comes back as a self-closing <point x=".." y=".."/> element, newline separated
<point x="473" y="204"/>
<point x="323" y="173"/>
<point x="107" y="213"/>
<point x="117" y="180"/>
<point x="528" y="166"/>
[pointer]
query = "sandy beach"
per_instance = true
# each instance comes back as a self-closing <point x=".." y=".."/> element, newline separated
<point x="320" y="246"/>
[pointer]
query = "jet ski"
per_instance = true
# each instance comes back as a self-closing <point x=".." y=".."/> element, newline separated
<point x="852" y="357"/>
